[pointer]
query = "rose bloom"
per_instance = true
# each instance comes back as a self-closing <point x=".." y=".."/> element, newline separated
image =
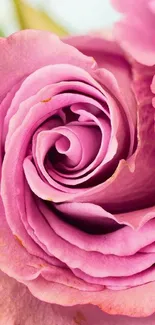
<point x="77" y="170"/>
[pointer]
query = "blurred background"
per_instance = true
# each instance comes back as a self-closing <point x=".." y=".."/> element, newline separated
<point x="60" y="16"/>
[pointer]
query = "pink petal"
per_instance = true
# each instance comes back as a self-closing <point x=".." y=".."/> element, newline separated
<point x="109" y="56"/>
<point x="35" y="88"/>
<point x="135" y="32"/>
<point x="138" y="302"/>
<point x="26" y="45"/>
<point x="14" y="258"/>
<point x="127" y="6"/>
<point x="17" y="305"/>
<point x="102" y="243"/>
<point x="6" y="102"/>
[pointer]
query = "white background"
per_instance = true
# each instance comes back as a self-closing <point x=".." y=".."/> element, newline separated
<point x="79" y="16"/>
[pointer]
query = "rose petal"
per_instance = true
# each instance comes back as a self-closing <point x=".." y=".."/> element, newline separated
<point x="34" y="89"/>
<point x="125" y="244"/>
<point x="14" y="259"/>
<point x="109" y="56"/>
<point x="27" y="44"/>
<point x="135" y="32"/>
<point x="46" y="228"/>
<point x="119" y="283"/>
<point x="123" y="302"/>
<point x="126" y="302"/>
<point x="128" y="5"/>
<point x="17" y="305"/>
<point x="6" y="102"/>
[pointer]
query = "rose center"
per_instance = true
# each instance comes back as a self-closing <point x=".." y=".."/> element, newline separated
<point x="74" y="149"/>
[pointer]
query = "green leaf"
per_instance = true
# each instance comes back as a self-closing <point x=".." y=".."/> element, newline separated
<point x="31" y="18"/>
<point x="1" y="33"/>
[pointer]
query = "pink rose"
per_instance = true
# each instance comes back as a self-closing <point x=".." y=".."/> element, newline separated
<point x="77" y="186"/>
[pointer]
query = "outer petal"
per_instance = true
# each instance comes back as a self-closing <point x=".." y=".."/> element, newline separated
<point x="17" y="262"/>
<point x="18" y="306"/>
<point x="135" y="32"/>
<point x="127" y="302"/>
<point x="15" y="297"/>
<point x="137" y="302"/>
<point x="34" y="49"/>
<point x="127" y="6"/>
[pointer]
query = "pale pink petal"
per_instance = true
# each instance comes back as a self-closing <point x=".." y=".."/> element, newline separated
<point x="135" y="32"/>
